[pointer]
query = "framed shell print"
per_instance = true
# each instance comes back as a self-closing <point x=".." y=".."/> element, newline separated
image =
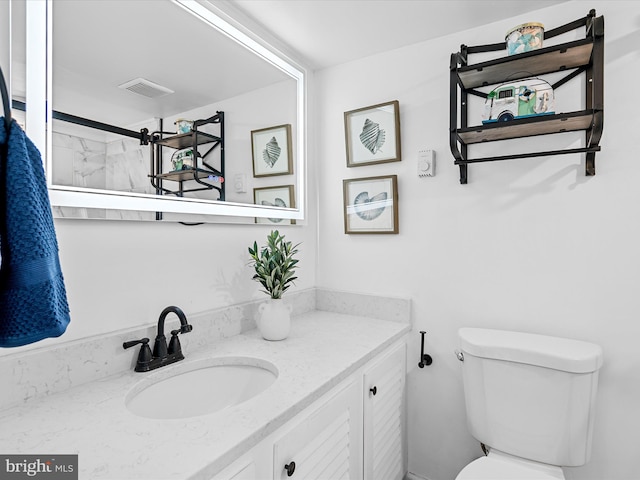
<point x="271" y="151"/>
<point x="280" y="196"/>
<point x="373" y="134"/>
<point x="371" y="204"/>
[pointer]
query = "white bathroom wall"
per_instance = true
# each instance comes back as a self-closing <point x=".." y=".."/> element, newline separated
<point x="121" y="274"/>
<point x="529" y="245"/>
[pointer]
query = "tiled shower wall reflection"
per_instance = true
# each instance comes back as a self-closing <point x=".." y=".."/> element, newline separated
<point x="127" y="170"/>
<point x="120" y="164"/>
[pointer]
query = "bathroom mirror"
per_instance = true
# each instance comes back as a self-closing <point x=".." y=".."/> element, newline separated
<point x="124" y="72"/>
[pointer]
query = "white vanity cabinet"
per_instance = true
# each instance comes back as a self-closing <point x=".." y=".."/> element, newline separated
<point x="384" y="416"/>
<point x="349" y="433"/>
<point x="319" y="412"/>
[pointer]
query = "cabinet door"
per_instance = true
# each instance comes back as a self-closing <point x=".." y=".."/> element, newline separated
<point x="384" y="425"/>
<point x="325" y="445"/>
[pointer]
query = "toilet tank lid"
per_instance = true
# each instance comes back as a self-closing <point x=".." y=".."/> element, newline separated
<point x="563" y="354"/>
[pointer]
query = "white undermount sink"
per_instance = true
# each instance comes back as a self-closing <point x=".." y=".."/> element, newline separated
<point x="200" y="388"/>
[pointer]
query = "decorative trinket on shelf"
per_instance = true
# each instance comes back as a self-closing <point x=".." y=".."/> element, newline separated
<point x="183" y="159"/>
<point x="525" y="98"/>
<point x="524" y="38"/>
<point x="183" y="126"/>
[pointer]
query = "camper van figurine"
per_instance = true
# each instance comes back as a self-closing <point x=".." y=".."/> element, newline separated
<point x="525" y="98"/>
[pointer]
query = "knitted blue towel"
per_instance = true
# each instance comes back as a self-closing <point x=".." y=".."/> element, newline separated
<point x="33" y="299"/>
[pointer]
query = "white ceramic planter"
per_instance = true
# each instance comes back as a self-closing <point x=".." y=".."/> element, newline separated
<point x="274" y="319"/>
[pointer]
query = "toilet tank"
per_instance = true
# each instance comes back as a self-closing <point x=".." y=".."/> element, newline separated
<point x="530" y="395"/>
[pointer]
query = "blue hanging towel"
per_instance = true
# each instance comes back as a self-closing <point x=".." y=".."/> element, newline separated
<point x="33" y="299"/>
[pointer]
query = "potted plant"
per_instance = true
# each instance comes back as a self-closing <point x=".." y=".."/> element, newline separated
<point x="274" y="267"/>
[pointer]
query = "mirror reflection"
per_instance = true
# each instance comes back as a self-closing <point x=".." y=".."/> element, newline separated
<point x="148" y="99"/>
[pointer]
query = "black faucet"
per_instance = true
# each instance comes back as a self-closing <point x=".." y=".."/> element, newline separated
<point x="162" y="355"/>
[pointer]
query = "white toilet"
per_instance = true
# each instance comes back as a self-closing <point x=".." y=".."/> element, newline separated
<point x="530" y="400"/>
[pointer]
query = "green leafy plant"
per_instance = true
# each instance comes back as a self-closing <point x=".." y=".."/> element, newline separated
<point x="274" y="264"/>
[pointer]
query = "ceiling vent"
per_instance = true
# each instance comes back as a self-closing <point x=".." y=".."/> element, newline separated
<point x="146" y="88"/>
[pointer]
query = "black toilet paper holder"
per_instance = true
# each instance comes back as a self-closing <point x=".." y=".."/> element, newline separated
<point x="425" y="359"/>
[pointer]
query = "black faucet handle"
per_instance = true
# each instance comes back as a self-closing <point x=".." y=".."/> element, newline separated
<point x="131" y="343"/>
<point x="174" y="343"/>
<point x="144" y="356"/>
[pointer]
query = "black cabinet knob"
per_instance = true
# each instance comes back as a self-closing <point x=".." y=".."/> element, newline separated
<point x="290" y="468"/>
<point x="374" y="390"/>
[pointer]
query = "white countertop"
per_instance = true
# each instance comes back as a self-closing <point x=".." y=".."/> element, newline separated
<point x="92" y="420"/>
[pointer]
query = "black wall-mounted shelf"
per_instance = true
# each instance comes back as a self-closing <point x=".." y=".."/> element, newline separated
<point x="573" y="58"/>
<point x="205" y="176"/>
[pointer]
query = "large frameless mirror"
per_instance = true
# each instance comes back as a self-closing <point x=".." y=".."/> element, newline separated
<point x="165" y="110"/>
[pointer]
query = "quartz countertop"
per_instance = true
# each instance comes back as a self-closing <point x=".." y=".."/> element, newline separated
<point x="91" y="420"/>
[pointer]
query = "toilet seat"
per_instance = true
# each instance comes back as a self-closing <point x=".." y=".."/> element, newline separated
<point x="501" y="466"/>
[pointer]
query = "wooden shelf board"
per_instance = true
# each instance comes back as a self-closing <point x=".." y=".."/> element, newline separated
<point x="189" y="174"/>
<point x="546" y="60"/>
<point x="185" y="140"/>
<point x="547" y="124"/>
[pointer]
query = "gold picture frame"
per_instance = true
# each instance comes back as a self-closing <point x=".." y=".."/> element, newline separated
<point x="282" y="196"/>
<point x="271" y="151"/>
<point x="371" y="205"/>
<point x="372" y="134"/>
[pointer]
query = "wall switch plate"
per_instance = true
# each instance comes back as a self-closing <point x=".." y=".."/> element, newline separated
<point x="426" y="163"/>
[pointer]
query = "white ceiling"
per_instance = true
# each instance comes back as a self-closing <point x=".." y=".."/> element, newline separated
<point x="329" y="32"/>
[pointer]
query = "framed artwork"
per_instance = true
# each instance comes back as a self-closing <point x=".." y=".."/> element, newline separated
<point x="371" y="204"/>
<point x="280" y="196"/>
<point x="271" y="151"/>
<point x="373" y="134"/>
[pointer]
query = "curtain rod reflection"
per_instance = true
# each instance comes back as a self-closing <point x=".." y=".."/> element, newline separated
<point x="142" y="135"/>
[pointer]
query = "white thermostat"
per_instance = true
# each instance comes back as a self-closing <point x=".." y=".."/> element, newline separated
<point x="426" y="163"/>
<point x="240" y="182"/>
